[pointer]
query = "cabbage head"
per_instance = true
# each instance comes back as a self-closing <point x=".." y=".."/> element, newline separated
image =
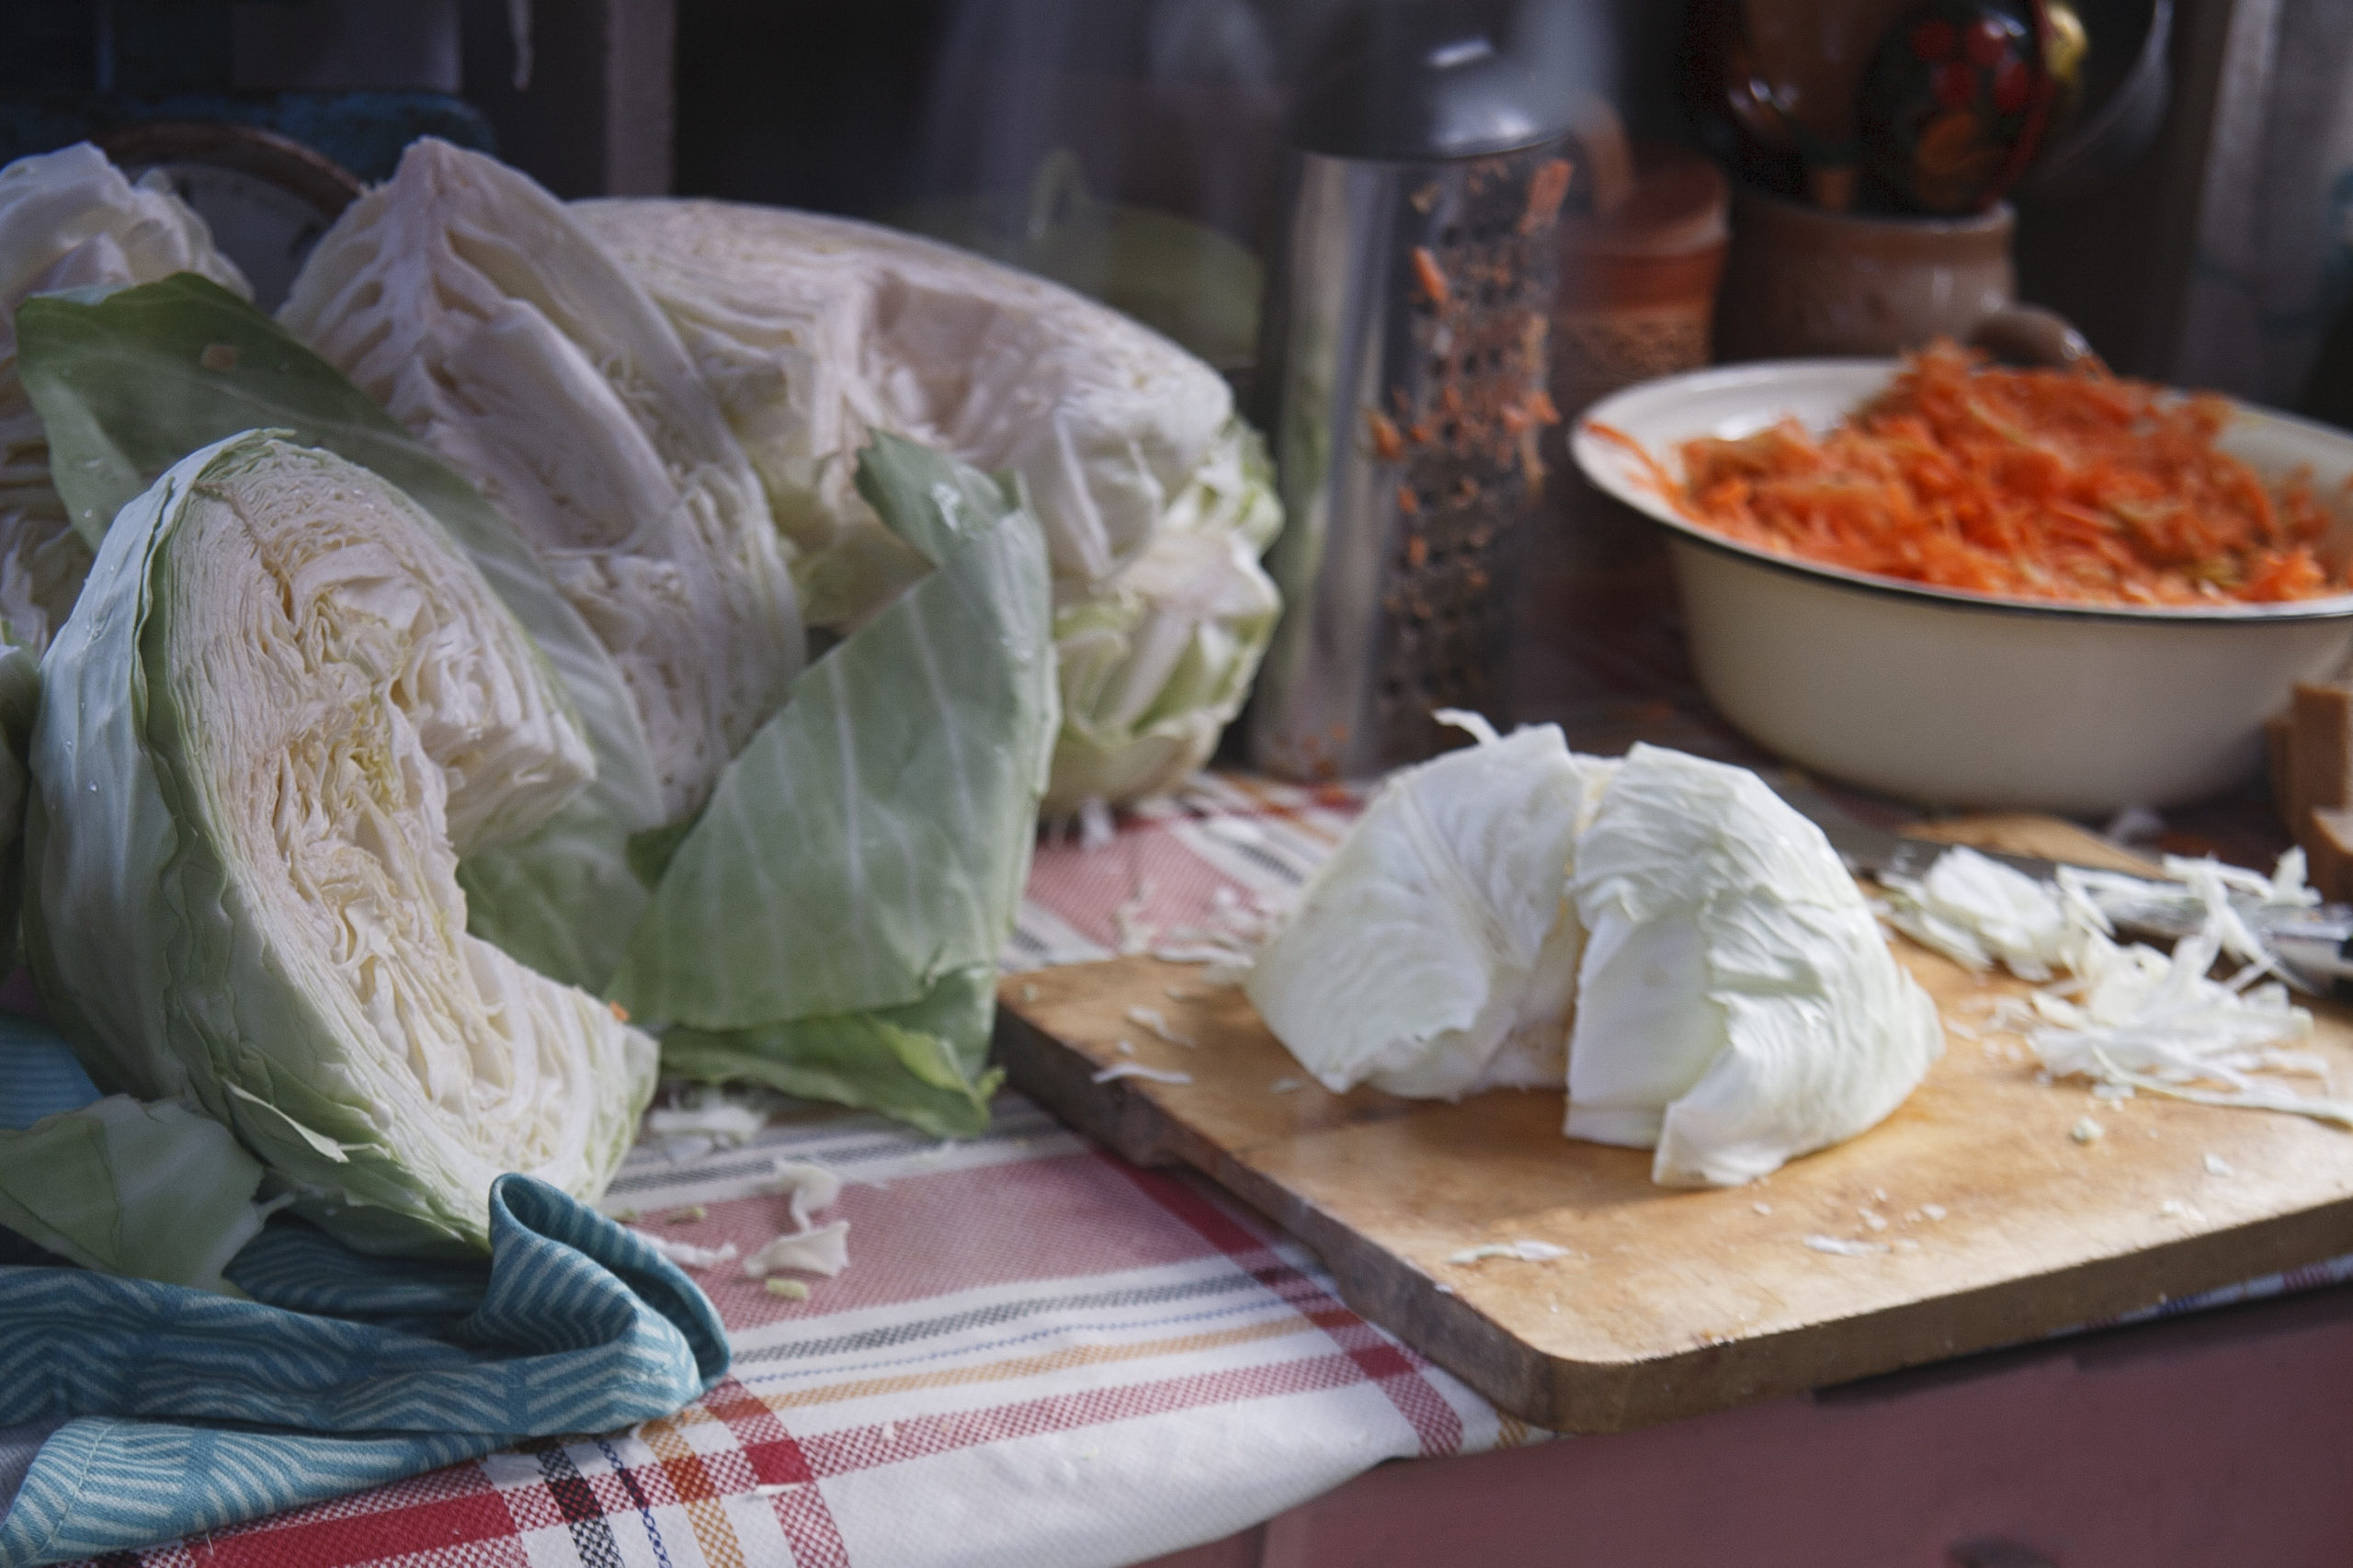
<point x="820" y="333"/>
<point x="482" y="316"/>
<point x="69" y="220"/>
<point x="281" y="711"/>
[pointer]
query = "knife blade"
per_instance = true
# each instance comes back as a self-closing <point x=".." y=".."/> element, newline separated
<point x="2315" y="945"/>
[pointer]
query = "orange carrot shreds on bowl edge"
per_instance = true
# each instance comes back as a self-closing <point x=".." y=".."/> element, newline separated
<point x="2075" y="486"/>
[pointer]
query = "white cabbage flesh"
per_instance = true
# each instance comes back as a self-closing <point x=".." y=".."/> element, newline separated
<point x="1157" y="663"/>
<point x="820" y="333"/>
<point x="1435" y="952"/>
<point x="477" y="309"/>
<point x="1738" y="1005"/>
<point x="69" y="220"/>
<point x="283" y="709"/>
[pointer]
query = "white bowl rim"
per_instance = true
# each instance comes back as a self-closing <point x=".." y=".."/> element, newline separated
<point x="1770" y="376"/>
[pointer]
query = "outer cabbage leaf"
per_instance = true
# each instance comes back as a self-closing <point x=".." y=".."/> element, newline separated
<point x="69" y="220"/>
<point x="154" y="1191"/>
<point x="1738" y="1005"/>
<point x="862" y="861"/>
<point x="131" y="383"/>
<point x="281" y="710"/>
<point x="484" y="316"/>
<point x="1434" y="952"/>
<point x="923" y="1064"/>
<point x="821" y="332"/>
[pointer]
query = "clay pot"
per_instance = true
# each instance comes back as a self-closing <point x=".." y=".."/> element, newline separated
<point x="1801" y="282"/>
<point x="1638" y="284"/>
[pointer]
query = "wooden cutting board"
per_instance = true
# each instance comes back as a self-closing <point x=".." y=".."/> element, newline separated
<point x="1671" y="1303"/>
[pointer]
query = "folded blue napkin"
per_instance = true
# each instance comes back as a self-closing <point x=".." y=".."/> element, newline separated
<point x="152" y="1411"/>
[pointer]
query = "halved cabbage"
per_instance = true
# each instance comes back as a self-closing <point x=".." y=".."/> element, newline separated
<point x="69" y="220"/>
<point x="281" y="711"/>
<point x="820" y="333"/>
<point x="1435" y="952"/>
<point x="1738" y="1005"/>
<point x="475" y="308"/>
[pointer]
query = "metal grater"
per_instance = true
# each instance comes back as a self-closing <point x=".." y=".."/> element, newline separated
<point x="1406" y="342"/>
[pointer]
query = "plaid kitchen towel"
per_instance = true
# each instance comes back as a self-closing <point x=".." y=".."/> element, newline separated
<point x="132" y="1412"/>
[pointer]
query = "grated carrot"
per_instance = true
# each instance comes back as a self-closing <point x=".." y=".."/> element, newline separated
<point x="2077" y="486"/>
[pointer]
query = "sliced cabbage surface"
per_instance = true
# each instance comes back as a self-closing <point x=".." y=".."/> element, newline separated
<point x="831" y="923"/>
<point x="281" y="711"/>
<point x="820" y="333"/>
<point x="482" y="314"/>
<point x="129" y="383"/>
<point x="70" y="220"/>
<point x="1435" y="952"/>
<point x="1738" y="1005"/>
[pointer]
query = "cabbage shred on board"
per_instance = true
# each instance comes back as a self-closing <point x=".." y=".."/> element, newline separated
<point x="819" y="333"/>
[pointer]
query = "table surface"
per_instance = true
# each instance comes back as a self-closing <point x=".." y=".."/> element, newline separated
<point x="1040" y="1356"/>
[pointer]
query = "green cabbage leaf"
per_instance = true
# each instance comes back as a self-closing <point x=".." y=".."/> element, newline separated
<point x="832" y="922"/>
<point x="152" y="1191"/>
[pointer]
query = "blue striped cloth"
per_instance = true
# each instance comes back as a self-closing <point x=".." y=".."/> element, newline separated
<point x="177" y="1410"/>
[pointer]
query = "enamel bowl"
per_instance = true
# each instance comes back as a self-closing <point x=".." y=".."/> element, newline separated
<point x="1953" y="699"/>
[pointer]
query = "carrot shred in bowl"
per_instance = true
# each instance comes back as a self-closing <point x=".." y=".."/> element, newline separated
<point x="2072" y="485"/>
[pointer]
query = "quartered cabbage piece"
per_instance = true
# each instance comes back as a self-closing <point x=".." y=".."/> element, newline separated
<point x="1738" y="1005"/>
<point x="69" y="220"/>
<point x="476" y="309"/>
<point x="1435" y="952"/>
<point x="820" y="333"/>
<point x="283" y="709"/>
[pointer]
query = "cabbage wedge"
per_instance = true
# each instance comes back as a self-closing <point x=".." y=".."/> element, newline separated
<point x="1738" y="1005"/>
<point x="69" y="220"/>
<point x="819" y="333"/>
<point x="831" y="923"/>
<point x="478" y="311"/>
<point x="131" y="381"/>
<point x="282" y="710"/>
